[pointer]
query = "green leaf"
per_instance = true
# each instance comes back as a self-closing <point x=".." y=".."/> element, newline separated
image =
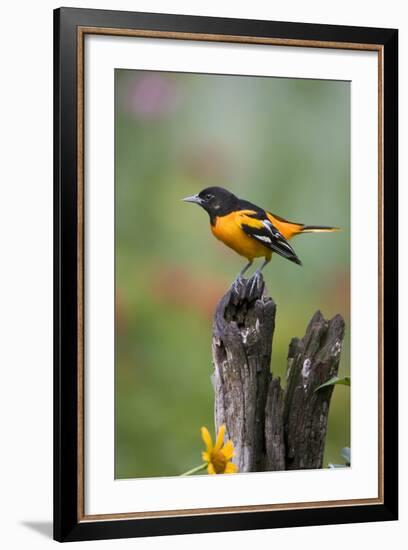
<point x="345" y="381"/>
<point x="333" y="466"/>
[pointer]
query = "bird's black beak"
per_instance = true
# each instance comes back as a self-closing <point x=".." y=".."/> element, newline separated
<point x="193" y="198"/>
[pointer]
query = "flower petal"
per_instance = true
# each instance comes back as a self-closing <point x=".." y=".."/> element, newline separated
<point x="205" y="434"/>
<point x="206" y="456"/>
<point x="220" y="438"/>
<point x="228" y="450"/>
<point x="210" y="468"/>
<point x="231" y="468"/>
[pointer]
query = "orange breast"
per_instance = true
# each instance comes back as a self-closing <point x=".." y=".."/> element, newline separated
<point x="228" y="230"/>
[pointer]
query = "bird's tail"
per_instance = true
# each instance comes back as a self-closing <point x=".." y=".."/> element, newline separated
<point x="318" y="229"/>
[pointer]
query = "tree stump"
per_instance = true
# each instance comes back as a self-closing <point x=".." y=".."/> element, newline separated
<point x="272" y="428"/>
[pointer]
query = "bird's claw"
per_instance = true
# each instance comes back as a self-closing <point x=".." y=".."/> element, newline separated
<point x="238" y="284"/>
<point x="257" y="284"/>
<point x="250" y="288"/>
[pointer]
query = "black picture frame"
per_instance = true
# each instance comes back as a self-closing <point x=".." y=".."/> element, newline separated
<point x="67" y="523"/>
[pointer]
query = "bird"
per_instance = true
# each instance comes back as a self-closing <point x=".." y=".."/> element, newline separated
<point x="250" y="230"/>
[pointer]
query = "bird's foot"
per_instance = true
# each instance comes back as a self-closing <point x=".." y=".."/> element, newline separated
<point x="257" y="285"/>
<point x="248" y="289"/>
<point x="238" y="284"/>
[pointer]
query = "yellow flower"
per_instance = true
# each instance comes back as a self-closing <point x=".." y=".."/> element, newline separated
<point x="218" y="456"/>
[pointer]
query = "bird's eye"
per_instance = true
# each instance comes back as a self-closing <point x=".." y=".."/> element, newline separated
<point x="209" y="196"/>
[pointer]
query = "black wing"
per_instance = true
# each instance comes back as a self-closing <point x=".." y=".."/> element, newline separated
<point x="267" y="234"/>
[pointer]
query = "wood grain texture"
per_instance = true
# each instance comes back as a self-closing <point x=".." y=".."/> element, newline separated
<point x="242" y="345"/>
<point x="272" y="428"/>
<point x="311" y="361"/>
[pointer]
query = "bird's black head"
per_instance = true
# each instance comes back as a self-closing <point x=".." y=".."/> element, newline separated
<point x="215" y="200"/>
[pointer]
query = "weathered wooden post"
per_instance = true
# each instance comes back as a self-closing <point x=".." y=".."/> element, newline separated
<point x="272" y="428"/>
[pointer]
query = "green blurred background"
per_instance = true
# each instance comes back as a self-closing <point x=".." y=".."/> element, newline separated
<point x="281" y="143"/>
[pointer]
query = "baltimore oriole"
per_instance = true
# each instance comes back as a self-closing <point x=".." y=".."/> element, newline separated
<point x="250" y="230"/>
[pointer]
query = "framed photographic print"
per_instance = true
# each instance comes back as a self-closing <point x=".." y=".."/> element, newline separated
<point x="225" y="274"/>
